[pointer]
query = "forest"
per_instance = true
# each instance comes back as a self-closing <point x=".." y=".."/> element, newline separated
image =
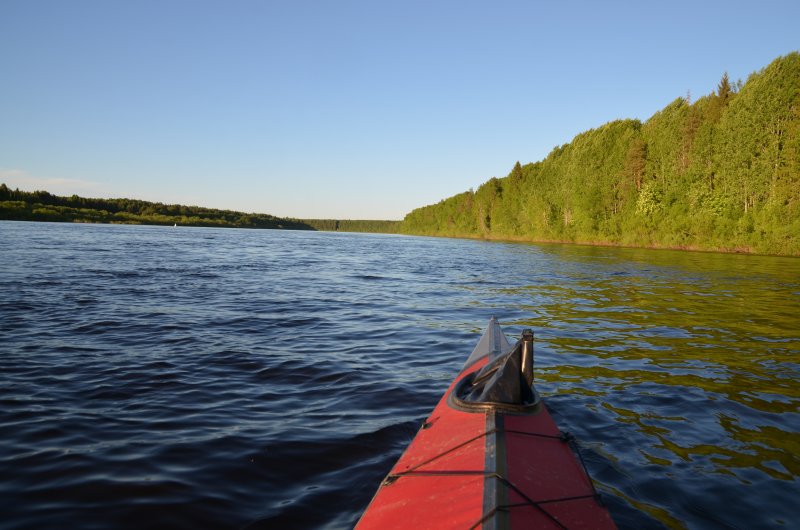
<point x="719" y="173"/>
<point x="43" y="206"/>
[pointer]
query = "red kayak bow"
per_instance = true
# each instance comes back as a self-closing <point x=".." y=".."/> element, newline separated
<point x="489" y="456"/>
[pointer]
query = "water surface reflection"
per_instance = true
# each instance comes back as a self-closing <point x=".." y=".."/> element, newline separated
<point x="687" y="366"/>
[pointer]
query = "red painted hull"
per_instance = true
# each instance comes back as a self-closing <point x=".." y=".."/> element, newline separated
<point x="486" y="469"/>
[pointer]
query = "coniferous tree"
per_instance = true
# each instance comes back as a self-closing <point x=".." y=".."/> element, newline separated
<point x="724" y="88"/>
<point x="516" y="172"/>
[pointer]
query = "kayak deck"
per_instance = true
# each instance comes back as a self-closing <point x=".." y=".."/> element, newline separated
<point x="487" y="469"/>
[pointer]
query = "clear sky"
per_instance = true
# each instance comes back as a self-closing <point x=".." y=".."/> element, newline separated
<point x="342" y="109"/>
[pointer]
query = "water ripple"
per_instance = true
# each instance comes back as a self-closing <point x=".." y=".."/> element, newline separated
<point x="203" y="378"/>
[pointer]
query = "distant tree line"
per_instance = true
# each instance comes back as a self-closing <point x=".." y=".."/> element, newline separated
<point x="353" y="225"/>
<point x="43" y="206"/>
<point x="719" y="173"/>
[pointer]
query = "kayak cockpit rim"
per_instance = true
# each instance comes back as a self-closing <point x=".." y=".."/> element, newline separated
<point x="504" y="383"/>
<point x="533" y="407"/>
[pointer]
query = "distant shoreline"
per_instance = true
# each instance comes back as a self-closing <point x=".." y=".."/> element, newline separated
<point x="352" y="226"/>
<point x="41" y="206"/>
<point x="17" y="205"/>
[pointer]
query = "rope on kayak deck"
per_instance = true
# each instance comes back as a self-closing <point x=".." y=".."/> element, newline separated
<point x="573" y="444"/>
<point x="565" y="437"/>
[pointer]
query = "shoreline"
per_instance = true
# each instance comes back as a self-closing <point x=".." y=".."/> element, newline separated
<point x="506" y="239"/>
<point x="610" y="244"/>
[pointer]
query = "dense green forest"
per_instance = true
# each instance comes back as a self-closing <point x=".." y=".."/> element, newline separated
<point x="43" y="206"/>
<point x="719" y="173"/>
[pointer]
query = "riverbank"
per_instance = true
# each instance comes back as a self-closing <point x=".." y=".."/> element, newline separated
<point x="610" y="244"/>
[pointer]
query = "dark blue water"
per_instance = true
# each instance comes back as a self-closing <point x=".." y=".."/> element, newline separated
<point x="220" y="378"/>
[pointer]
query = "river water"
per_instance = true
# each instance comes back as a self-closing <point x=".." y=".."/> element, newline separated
<point x="219" y="378"/>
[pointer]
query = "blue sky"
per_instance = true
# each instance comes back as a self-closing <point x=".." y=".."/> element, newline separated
<point x="342" y="109"/>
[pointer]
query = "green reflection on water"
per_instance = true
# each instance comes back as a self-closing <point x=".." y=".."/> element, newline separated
<point x="693" y="356"/>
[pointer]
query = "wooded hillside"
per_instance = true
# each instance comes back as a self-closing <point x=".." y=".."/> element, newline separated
<point x="719" y="173"/>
